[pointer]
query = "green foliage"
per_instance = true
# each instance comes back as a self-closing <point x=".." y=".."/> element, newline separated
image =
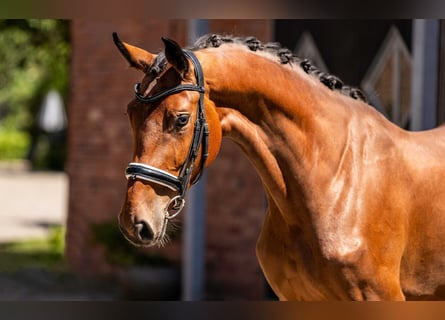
<point x="56" y="239"/>
<point x="45" y="252"/>
<point x="14" y="144"/>
<point x="34" y="58"/>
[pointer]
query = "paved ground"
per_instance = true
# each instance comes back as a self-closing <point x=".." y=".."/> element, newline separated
<point x="30" y="201"/>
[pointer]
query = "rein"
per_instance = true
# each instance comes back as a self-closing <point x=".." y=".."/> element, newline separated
<point x="200" y="140"/>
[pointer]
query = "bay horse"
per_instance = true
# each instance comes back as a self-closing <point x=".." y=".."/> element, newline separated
<point x="356" y="205"/>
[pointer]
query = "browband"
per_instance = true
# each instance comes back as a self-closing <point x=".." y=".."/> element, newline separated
<point x="163" y="94"/>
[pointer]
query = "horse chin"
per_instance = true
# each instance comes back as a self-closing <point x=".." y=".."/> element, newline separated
<point x="143" y="244"/>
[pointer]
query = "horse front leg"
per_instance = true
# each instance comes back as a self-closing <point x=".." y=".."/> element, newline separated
<point x="368" y="289"/>
<point x="368" y="280"/>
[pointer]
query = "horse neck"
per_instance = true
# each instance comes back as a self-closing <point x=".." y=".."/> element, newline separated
<point x="286" y="121"/>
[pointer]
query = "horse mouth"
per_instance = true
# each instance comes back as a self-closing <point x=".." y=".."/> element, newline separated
<point x="135" y="239"/>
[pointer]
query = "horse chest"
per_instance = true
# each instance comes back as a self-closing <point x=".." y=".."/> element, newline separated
<point x="290" y="265"/>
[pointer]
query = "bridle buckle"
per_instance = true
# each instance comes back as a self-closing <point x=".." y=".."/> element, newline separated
<point x="174" y="207"/>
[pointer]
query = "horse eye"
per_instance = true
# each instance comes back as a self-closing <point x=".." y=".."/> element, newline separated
<point x="182" y="120"/>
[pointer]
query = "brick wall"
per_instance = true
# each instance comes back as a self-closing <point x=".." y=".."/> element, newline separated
<point x="100" y="146"/>
<point x="235" y="205"/>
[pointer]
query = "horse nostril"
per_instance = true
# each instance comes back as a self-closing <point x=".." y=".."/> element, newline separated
<point x="144" y="231"/>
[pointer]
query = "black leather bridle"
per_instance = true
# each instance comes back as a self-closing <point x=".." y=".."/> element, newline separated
<point x="200" y="140"/>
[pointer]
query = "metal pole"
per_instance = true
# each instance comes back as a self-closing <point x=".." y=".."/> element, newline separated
<point x="425" y="44"/>
<point x="194" y="219"/>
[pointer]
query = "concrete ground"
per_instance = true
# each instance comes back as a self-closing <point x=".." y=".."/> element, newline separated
<point x="30" y="201"/>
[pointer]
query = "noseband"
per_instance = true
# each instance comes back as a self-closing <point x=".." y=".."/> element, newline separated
<point x="200" y="139"/>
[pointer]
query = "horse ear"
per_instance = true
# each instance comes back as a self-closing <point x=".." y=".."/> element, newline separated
<point x="137" y="57"/>
<point x="175" y="56"/>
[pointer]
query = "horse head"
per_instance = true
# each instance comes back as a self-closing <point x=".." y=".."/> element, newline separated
<point x="176" y="132"/>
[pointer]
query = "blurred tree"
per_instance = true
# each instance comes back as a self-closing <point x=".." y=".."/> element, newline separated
<point x="34" y="59"/>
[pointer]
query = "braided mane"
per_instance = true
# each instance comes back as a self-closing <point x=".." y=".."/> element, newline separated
<point x="285" y="56"/>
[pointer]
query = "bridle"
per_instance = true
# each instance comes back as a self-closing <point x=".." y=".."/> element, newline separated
<point x="200" y="140"/>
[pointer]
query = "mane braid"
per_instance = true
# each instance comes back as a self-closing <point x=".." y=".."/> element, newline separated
<point x="285" y="56"/>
